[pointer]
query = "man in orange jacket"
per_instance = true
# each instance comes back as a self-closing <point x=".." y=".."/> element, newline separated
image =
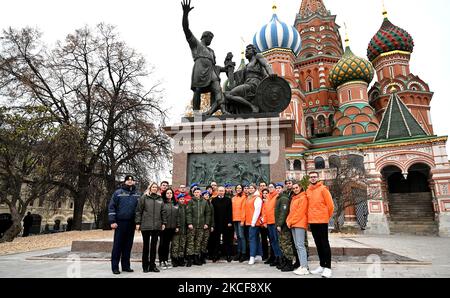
<point x="320" y="211"/>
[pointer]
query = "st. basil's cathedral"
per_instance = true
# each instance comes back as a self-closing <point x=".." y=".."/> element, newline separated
<point x="342" y="118"/>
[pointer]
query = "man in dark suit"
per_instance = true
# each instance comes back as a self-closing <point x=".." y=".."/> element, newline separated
<point x="223" y="219"/>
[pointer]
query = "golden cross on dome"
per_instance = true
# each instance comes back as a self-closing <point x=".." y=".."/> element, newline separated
<point x="347" y="39"/>
<point x="242" y="47"/>
<point x="274" y="7"/>
<point x="385" y="13"/>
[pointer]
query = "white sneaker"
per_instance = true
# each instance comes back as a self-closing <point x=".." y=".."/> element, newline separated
<point x="164" y="266"/>
<point x="258" y="259"/>
<point x="327" y="273"/>
<point x="302" y="271"/>
<point x="252" y="261"/>
<point x="319" y="270"/>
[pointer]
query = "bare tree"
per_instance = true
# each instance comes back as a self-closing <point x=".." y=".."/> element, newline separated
<point x="92" y="84"/>
<point x="349" y="187"/>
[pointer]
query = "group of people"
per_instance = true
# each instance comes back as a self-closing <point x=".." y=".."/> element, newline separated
<point x="195" y="225"/>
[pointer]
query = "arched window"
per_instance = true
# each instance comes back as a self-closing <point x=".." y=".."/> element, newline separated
<point x="319" y="163"/>
<point x="288" y="164"/>
<point x="297" y="165"/>
<point x="335" y="161"/>
<point x="309" y="85"/>
<point x="310" y="126"/>
<point x="356" y="162"/>
<point x="331" y="120"/>
<point x="321" y="121"/>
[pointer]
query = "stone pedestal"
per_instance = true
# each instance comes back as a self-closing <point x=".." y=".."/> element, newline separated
<point x="230" y="150"/>
<point x="377" y="223"/>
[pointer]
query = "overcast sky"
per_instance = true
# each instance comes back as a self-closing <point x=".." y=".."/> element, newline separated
<point x="154" y="29"/>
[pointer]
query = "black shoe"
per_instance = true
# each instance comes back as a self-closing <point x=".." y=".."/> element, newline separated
<point x="203" y="258"/>
<point x="154" y="269"/>
<point x="197" y="261"/>
<point x="129" y="270"/>
<point x="269" y="260"/>
<point x="175" y="262"/>
<point x="282" y="263"/>
<point x="181" y="263"/>
<point x="275" y="262"/>
<point x="242" y="259"/>
<point x="116" y="272"/>
<point x="288" y="267"/>
<point x="189" y="261"/>
<point x="229" y="259"/>
<point x="237" y="258"/>
<point x="215" y="259"/>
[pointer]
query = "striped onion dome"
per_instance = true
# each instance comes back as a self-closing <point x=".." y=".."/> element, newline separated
<point x="389" y="38"/>
<point x="277" y="34"/>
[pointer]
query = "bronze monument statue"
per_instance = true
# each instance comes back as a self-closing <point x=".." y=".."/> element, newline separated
<point x="255" y="89"/>
<point x="205" y="75"/>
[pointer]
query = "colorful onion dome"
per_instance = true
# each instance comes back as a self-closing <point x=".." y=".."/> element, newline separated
<point x="389" y="38"/>
<point x="351" y="68"/>
<point x="277" y="34"/>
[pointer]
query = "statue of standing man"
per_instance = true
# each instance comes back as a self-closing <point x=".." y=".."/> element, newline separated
<point x="205" y="75"/>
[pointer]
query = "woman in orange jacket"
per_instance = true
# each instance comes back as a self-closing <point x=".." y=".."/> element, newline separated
<point x="238" y="203"/>
<point x="297" y="221"/>
<point x="320" y="211"/>
<point x="269" y="220"/>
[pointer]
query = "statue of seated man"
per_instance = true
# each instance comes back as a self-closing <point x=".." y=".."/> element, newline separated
<point x="247" y="82"/>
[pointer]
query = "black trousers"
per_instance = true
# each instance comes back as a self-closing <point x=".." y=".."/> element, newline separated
<point x="149" y="247"/>
<point x="26" y="231"/>
<point x="123" y="243"/>
<point x="265" y="241"/>
<point x="320" y="235"/>
<point x="227" y="236"/>
<point x="164" y="245"/>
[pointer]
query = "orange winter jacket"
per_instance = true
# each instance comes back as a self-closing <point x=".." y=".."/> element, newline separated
<point x="250" y="210"/>
<point x="298" y="212"/>
<point x="239" y="208"/>
<point x="269" y="209"/>
<point x="320" y="204"/>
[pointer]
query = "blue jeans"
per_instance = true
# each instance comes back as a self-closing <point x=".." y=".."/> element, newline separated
<point x="299" y="239"/>
<point x="239" y="230"/>
<point x="273" y="237"/>
<point x="255" y="242"/>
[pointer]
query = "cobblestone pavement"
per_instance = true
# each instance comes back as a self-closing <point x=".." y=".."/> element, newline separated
<point x="421" y="257"/>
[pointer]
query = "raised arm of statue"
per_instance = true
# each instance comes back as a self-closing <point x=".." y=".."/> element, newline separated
<point x="266" y="66"/>
<point x="186" y="5"/>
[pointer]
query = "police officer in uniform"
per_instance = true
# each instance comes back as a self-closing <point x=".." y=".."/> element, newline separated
<point x="121" y="213"/>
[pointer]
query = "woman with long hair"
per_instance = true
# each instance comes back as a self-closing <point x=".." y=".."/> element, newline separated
<point x="171" y="209"/>
<point x="253" y="220"/>
<point x="238" y="203"/>
<point x="151" y="219"/>
<point x="297" y="221"/>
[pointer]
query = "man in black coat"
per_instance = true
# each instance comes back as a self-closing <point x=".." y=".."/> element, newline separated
<point x="27" y="224"/>
<point x="223" y="219"/>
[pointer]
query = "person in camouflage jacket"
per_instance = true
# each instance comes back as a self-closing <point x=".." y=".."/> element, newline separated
<point x="198" y="218"/>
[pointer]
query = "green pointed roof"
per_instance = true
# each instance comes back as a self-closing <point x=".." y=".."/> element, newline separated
<point x="398" y="122"/>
